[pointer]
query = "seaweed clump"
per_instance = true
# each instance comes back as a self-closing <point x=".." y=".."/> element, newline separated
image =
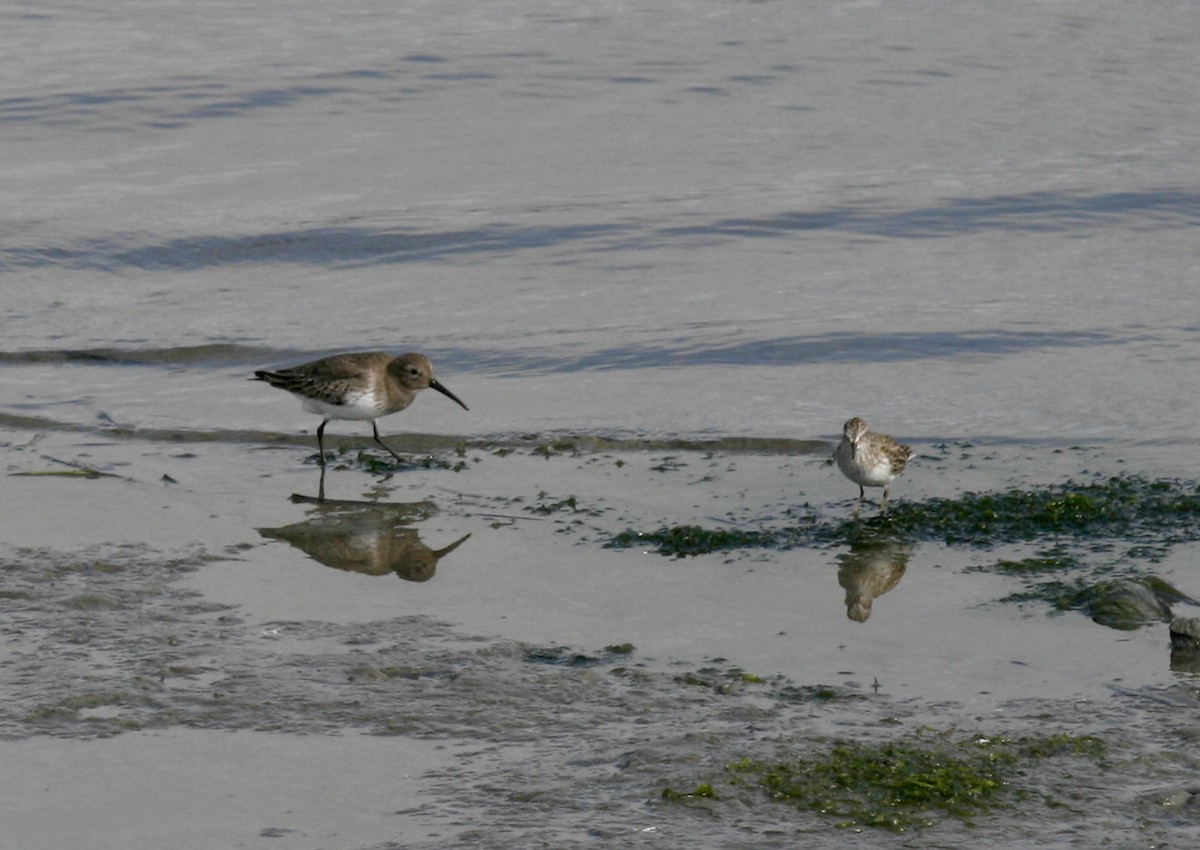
<point x="1121" y="506"/>
<point x="564" y="657"/>
<point x="898" y="785"/>
<point x="683" y="540"/>
<point x="1161" y="512"/>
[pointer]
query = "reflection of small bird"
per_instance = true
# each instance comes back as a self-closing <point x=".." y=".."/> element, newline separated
<point x="868" y="571"/>
<point x="869" y="459"/>
<point x="366" y="385"/>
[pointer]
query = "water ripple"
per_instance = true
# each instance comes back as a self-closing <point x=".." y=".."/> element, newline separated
<point x="841" y="347"/>
<point x="1046" y="212"/>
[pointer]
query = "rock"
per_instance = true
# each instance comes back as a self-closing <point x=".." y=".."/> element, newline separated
<point x="1185" y="644"/>
<point x="1185" y="633"/>
<point x="1129" y="603"/>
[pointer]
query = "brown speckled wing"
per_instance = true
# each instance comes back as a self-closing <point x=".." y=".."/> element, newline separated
<point x="898" y="455"/>
<point x="326" y="380"/>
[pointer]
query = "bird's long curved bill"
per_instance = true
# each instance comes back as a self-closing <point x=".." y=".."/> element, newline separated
<point x="435" y="384"/>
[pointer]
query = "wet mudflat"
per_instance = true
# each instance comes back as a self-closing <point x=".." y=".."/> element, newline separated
<point x="556" y="676"/>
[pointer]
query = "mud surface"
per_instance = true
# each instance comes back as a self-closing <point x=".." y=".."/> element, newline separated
<point x="574" y="740"/>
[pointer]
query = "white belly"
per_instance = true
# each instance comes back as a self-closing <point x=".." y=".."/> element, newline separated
<point x="357" y="406"/>
<point x="878" y="474"/>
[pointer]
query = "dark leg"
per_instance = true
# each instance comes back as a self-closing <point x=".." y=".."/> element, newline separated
<point x="883" y="504"/>
<point x="375" y="428"/>
<point x="862" y="494"/>
<point x="321" y="486"/>
<point x="321" y="440"/>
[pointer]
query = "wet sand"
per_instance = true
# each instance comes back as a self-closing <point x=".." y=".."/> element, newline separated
<point x="268" y="668"/>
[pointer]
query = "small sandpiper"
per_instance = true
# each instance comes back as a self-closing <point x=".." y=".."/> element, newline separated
<point x="869" y="459"/>
<point x="362" y="385"/>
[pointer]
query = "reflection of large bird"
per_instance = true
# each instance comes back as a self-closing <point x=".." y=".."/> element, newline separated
<point x="366" y="540"/>
<point x="870" y="570"/>
<point x="869" y="459"/>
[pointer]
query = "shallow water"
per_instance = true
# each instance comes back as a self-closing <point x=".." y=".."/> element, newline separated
<point x="688" y="240"/>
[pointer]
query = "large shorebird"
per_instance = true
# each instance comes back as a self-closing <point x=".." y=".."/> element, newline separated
<point x="363" y="385"/>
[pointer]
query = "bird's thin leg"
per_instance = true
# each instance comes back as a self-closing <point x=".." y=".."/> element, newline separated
<point x="375" y="428"/>
<point x="858" y="506"/>
<point x="321" y="486"/>
<point x="321" y="441"/>
<point x="883" y="504"/>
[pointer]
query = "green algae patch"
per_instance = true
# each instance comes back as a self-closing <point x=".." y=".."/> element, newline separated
<point x="1060" y="744"/>
<point x="897" y="786"/>
<point x="1055" y="560"/>
<point x="561" y="656"/>
<point x="733" y="680"/>
<point x="376" y="463"/>
<point x="547" y="505"/>
<point x="684" y="540"/>
<point x="814" y="693"/>
<point x="417" y="451"/>
<point x="1153" y="512"/>
<point x="703" y="791"/>
<point x="1126" y="507"/>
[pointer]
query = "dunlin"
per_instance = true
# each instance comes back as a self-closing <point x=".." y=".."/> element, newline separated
<point x="363" y="385"/>
<point x="869" y="459"/>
